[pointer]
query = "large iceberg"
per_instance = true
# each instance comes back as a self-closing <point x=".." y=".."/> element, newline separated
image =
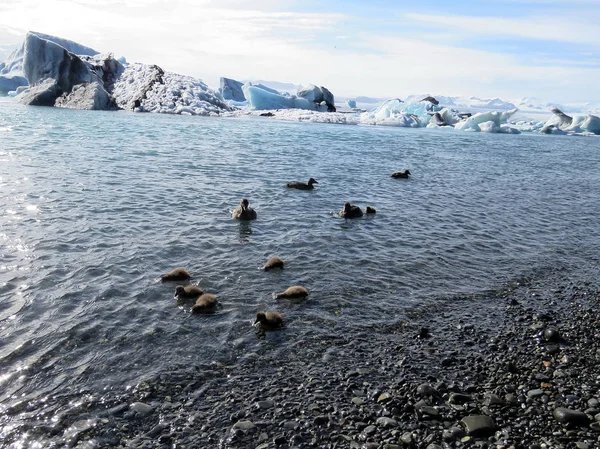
<point x="12" y="71"/>
<point x="56" y="76"/>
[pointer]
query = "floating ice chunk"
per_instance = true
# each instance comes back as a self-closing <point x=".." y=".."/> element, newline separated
<point x="351" y="104"/>
<point x="577" y="124"/>
<point x="394" y="113"/>
<point x="474" y="122"/>
<point x="591" y="124"/>
<point x="261" y="99"/>
<point x="318" y="95"/>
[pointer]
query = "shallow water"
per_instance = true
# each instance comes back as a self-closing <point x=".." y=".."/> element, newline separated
<point x="94" y="206"/>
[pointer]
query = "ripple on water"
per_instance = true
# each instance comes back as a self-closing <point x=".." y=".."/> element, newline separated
<point x="98" y="226"/>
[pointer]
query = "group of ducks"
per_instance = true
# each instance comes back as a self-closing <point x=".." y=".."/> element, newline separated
<point x="245" y="212"/>
<point x="206" y="303"/>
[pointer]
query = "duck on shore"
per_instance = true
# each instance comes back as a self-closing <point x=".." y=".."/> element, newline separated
<point x="293" y="292"/>
<point x="269" y="320"/>
<point x="244" y="211"/>
<point x="176" y="274"/>
<point x="405" y="174"/>
<point x="350" y="211"/>
<point x="302" y="185"/>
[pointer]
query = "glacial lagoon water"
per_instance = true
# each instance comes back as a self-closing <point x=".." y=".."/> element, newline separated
<point x="94" y="206"/>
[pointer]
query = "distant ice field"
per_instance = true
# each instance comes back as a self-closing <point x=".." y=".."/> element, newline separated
<point x="94" y="206"/>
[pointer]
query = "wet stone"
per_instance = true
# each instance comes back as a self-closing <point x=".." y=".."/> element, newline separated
<point x="264" y="405"/>
<point x="535" y="393"/>
<point x="243" y="425"/>
<point x="565" y="415"/>
<point x="479" y="425"/>
<point x="426" y="390"/>
<point x="358" y="401"/>
<point x="459" y="398"/>
<point x="386" y="422"/>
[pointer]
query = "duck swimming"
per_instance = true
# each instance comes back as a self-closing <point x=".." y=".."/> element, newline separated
<point x="189" y="291"/>
<point x="293" y="292"/>
<point x="273" y="262"/>
<point x="244" y="211"/>
<point x="350" y="211"/>
<point x="205" y="304"/>
<point x="269" y="320"/>
<point x="405" y="174"/>
<point x="176" y="274"/>
<point x="302" y="185"/>
<point x="370" y="210"/>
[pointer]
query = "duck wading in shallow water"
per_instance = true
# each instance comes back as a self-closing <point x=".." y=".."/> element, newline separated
<point x="302" y="185"/>
<point x="293" y="292"/>
<point x="350" y="211"/>
<point x="273" y="262"/>
<point x="176" y="274"/>
<point x="207" y="303"/>
<point x="269" y="320"/>
<point x="189" y="291"/>
<point x="244" y="211"/>
<point x="399" y="174"/>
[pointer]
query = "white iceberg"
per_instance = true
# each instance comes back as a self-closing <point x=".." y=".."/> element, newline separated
<point x="480" y="122"/>
<point x="576" y="124"/>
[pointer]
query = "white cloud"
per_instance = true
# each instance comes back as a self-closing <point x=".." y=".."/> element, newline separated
<point x="539" y="27"/>
<point x="246" y="39"/>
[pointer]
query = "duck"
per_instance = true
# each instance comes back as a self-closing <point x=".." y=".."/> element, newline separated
<point x="370" y="210"/>
<point x="273" y="262"/>
<point x="405" y="174"/>
<point x="189" y="291"/>
<point x="176" y="274"/>
<point x="205" y="304"/>
<point x="244" y="211"/>
<point x="350" y="211"/>
<point x="269" y="320"/>
<point x="302" y="185"/>
<point x="293" y="292"/>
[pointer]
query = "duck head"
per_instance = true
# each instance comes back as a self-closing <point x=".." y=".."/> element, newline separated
<point x="244" y="203"/>
<point x="312" y="181"/>
<point x="260" y="317"/>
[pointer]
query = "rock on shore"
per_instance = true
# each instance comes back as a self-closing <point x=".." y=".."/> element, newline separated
<point x="486" y="376"/>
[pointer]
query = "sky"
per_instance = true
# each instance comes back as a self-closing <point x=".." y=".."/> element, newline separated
<point x="380" y="48"/>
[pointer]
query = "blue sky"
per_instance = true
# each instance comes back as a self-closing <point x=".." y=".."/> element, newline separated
<point x="507" y="49"/>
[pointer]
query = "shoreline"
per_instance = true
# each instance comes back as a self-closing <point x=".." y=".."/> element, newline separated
<point x="513" y="368"/>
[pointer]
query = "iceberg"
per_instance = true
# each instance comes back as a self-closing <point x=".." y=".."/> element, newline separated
<point x="351" y="104"/>
<point x="57" y="76"/>
<point x="318" y="95"/>
<point x="12" y="71"/>
<point x="494" y="122"/>
<point x="576" y="124"/>
<point x="148" y="88"/>
<point x="231" y="89"/>
<point x="408" y="114"/>
<point x="260" y="98"/>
